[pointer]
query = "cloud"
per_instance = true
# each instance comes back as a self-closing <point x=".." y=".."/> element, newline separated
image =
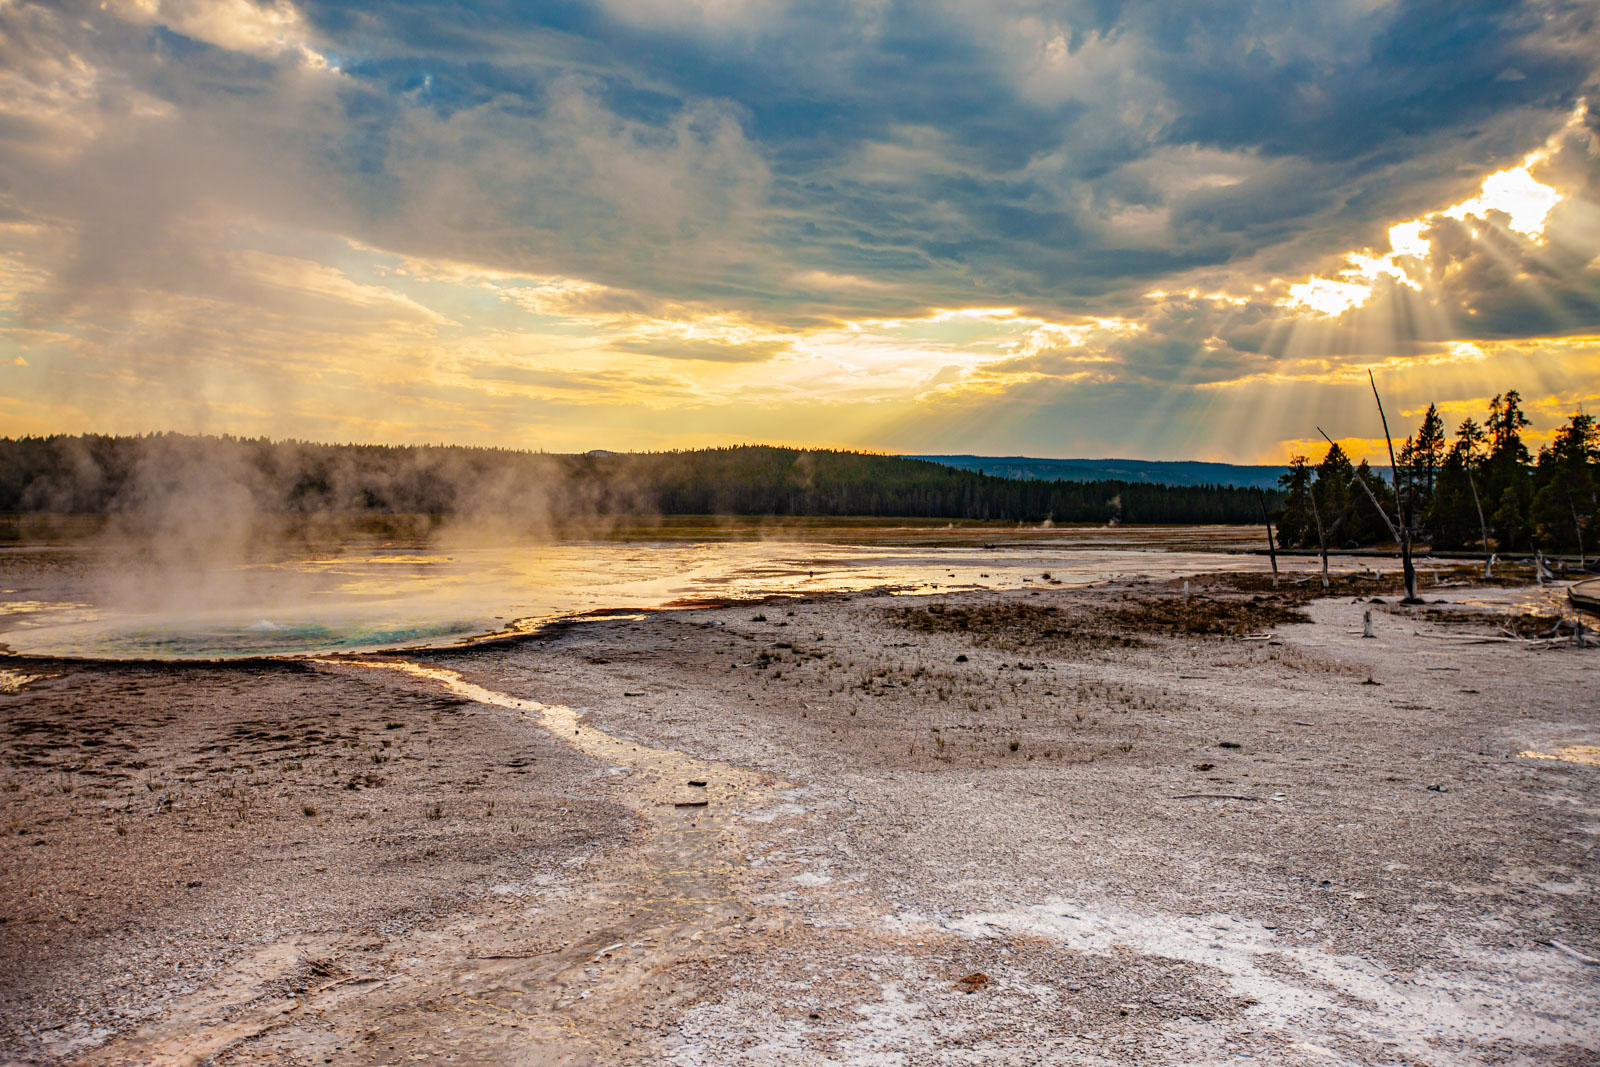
<point x="1065" y="152"/>
<point x="268" y="29"/>
<point x="228" y="208"/>
<point x="712" y="351"/>
<point x="309" y="284"/>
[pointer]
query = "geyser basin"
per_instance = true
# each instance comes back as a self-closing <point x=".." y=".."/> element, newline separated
<point x="177" y="639"/>
<point x="367" y="594"/>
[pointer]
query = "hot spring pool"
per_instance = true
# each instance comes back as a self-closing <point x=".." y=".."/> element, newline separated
<point x="366" y="594"/>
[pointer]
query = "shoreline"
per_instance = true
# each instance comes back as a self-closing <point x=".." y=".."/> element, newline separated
<point x="1000" y="788"/>
<point x="1341" y="565"/>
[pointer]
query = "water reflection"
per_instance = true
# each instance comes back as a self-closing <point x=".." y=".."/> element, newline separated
<point x="369" y="591"/>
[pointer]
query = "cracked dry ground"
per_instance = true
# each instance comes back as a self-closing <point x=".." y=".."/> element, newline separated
<point x="1092" y="826"/>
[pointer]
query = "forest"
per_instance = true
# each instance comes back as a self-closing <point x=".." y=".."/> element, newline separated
<point x="1478" y="489"/>
<point x="173" y="476"/>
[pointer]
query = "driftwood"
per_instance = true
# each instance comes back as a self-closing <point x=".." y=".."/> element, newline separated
<point x="1542" y="570"/>
<point x="1562" y="947"/>
<point x="1469" y="639"/>
<point x="1214" y="796"/>
<point x="1551" y="638"/>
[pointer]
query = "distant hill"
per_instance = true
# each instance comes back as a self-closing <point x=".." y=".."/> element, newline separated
<point x="1152" y="471"/>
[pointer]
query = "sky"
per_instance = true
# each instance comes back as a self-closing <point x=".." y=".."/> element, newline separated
<point x="1147" y="230"/>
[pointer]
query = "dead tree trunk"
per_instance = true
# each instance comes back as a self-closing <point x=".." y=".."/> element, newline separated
<point x="1399" y="503"/>
<point x="1577" y="528"/>
<point x="1322" y="535"/>
<point x="1272" y="550"/>
<point x="1483" y="527"/>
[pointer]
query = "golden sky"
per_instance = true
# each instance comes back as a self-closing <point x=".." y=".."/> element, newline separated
<point x="1044" y="229"/>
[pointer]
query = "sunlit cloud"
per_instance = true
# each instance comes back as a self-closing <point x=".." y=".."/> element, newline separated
<point x="1327" y="296"/>
<point x="1524" y="201"/>
<point x="270" y="29"/>
<point x="1515" y="193"/>
<point x="644" y="225"/>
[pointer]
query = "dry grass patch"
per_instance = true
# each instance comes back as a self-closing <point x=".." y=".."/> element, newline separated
<point x="1204" y="615"/>
<point x="1011" y="626"/>
<point x="1526" y="624"/>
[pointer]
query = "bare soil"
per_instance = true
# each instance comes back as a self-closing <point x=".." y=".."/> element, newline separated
<point x="1115" y="825"/>
<point x="160" y="821"/>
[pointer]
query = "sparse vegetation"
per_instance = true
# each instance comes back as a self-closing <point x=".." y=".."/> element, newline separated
<point x="1012" y="626"/>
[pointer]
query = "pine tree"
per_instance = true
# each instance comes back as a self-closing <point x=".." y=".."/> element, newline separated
<point x="1296" y="526"/>
<point x="1567" y="483"/>
<point x="1333" y="490"/>
<point x="1506" y="481"/>
<point x="1366" y="526"/>
<point x="1506" y="423"/>
<point x="1420" y="459"/>
<point x="1430" y="448"/>
<point x="1453" y="518"/>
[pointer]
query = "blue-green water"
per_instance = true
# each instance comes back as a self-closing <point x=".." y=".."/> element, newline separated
<point x="198" y="640"/>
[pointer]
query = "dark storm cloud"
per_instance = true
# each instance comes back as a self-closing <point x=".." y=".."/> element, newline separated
<point x="1260" y="79"/>
<point x="994" y="153"/>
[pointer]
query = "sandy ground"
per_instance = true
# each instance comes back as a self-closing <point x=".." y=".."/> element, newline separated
<point x="1116" y="825"/>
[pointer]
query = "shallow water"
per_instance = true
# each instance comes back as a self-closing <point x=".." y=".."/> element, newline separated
<point x="360" y="593"/>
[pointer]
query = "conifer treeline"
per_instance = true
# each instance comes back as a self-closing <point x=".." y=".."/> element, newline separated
<point x="1480" y="489"/>
<point x="170" y="472"/>
<point x="761" y="480"/>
